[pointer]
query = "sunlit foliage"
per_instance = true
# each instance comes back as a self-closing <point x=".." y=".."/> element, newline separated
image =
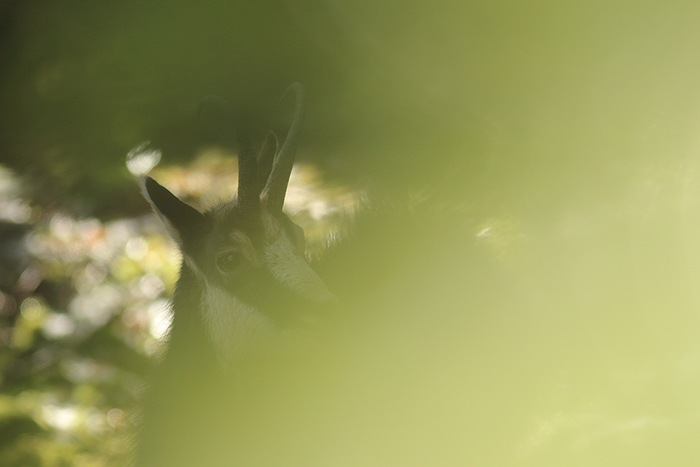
<point x="88" y="314"/>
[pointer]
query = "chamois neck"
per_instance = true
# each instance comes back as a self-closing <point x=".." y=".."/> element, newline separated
<point x="188" y="344"/>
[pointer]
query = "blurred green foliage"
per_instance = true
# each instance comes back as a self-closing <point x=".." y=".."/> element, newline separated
<point x="558" y="137"/>
<point x="76" y="341"/>
<point x="84" y="313"/>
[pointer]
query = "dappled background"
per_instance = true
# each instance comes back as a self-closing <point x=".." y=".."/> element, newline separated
<point x="547" y="308"/>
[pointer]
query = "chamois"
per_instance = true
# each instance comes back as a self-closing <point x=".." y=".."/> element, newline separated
<point x="244" y="281"/>
<point x="425" y="314"/>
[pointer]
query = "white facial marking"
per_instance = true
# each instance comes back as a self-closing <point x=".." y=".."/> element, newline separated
<point x="290" y="268"/>
<point x="236" y="328"/>
<point x="233" y="326"/>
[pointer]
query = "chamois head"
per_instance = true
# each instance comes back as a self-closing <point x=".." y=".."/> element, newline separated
<point x="245" y="255"/>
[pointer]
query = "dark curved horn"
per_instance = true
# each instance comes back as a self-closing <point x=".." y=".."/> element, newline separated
<point x="248" y="185"/>
<point x="276" y="186"/>
<point x="265" y="159"/>
<point x="217" y="116"/>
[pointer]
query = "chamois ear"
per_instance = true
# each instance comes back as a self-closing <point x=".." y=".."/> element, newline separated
<point x="182" y="220"/>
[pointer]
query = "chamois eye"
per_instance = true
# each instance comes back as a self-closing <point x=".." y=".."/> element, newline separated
<point x="227" y="261"/>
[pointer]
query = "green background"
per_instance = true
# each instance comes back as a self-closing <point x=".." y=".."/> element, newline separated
<point x="560" y="139"/>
